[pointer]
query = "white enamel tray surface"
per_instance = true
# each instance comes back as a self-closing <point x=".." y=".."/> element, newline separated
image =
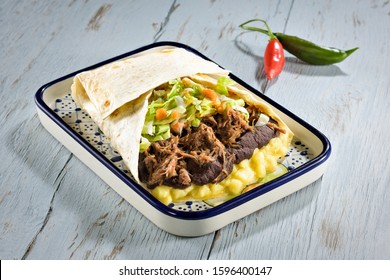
<point x="304" y="163"/>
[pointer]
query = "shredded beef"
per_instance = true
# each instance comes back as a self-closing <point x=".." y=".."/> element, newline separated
<point x="205" y="154"/>
<point x="198" y="158"/>
<point x="210" y="161"/>
<point x="229" y="126"/>
<point x="159" y="163"/>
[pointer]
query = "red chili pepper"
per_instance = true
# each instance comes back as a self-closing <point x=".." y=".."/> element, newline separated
<point x="273" y="58"/>
<point x="273" y="55"/>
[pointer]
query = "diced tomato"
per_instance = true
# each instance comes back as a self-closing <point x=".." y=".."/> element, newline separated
<point x="175" y="115"/>
<point x="219" y="108"/>
<point x="177" y="127"/>
<point x="210" y="94"/>
<point x="161" y="114"/>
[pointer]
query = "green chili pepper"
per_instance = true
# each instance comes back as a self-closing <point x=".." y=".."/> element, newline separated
<point x="303" y="49"/>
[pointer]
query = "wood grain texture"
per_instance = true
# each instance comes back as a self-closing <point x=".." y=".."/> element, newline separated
<point x="54" y="207"/>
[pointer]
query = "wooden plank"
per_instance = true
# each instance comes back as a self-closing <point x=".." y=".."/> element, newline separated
<point x="80" y="230"/>
<point x="31" y="163"/>
<point x="33" y="160"/>
<point x="30" y="160"/>
<point x="345" y="214"/>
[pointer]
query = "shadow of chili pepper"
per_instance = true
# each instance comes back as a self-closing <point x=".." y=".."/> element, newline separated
<point x="296" y="66"/>
<point x="245" y="48"/>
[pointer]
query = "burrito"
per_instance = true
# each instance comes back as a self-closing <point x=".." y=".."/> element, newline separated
<point x="185" y="130"/>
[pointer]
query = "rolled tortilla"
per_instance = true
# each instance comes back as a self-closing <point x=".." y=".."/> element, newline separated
<point x="113" y="85"/>
<point x="116" y="95"/>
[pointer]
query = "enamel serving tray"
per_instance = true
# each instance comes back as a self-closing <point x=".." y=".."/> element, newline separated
<point x="304" y="163"/>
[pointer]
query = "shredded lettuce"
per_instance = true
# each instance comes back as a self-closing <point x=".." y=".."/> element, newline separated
<point x="162" y="132"/>
<point x="185" y="105"/>
<point x="205" y="107"/>
<point x="222" y="84"/>
<point x="235" y="104"/>
<point x="196" y="91"/>
<point x="144" y="145"/>
<point x="148" y="128"/>
<point x="195" y="122"/>
<point x="176" y="89"/>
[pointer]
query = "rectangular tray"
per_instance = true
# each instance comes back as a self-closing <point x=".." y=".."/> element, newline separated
<point x="305" y="161"/>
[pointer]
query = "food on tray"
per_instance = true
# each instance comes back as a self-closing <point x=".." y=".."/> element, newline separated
<point x="182" y="126"/>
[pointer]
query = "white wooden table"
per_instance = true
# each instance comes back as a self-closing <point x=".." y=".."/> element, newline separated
<point x="54" y="207"/>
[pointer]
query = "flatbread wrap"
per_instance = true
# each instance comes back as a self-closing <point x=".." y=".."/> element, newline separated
<point x="185" y="130"/>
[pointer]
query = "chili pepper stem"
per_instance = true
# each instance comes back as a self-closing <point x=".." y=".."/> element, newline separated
<point x="251" y="28"/>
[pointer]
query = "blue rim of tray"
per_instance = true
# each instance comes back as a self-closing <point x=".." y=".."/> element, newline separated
<point x="147" y="196"/>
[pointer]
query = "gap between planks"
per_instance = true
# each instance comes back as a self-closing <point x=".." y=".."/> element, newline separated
<point x="58" y="179"/>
